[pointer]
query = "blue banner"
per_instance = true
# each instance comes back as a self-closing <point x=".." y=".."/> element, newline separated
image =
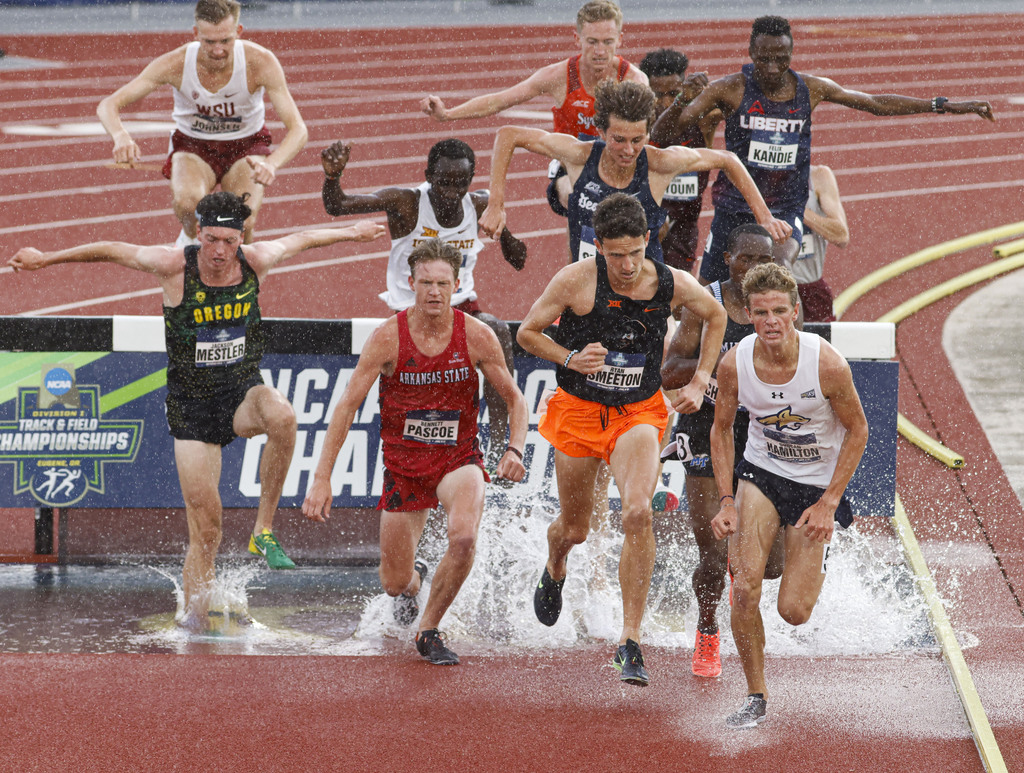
<point x="89" y="430"/>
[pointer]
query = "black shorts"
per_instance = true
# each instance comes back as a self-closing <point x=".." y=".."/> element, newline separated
<point x="696" y="427"/>
<point x="211" y="419"/>
<point x="790" y="498"/>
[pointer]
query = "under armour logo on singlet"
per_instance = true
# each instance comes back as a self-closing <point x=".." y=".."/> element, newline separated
<point x="776" y="395"/>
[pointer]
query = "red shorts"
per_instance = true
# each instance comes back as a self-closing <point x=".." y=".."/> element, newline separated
<point x="581" y="428"/>
<point x="219" y="154"/>
<point x="405" y="494"/>
<point x="816" y="298"/>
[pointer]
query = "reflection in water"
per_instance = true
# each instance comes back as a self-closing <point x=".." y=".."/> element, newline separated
<point x="869" y="603"/>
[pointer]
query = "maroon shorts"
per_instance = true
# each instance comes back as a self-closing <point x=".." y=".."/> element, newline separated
<point x="816" y="298"/>
<point x="472" y="308"/>
<point x="219" y="154"/>
<point x="405" y="494"/>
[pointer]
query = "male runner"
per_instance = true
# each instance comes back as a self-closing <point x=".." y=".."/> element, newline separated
<point x="571" y="83"/>
<point x="442" y="207"/>
<point x="220" y="137"/>
<point x="665" y="68"/>
<point x="214" y="389"/>
<point x="617" y="162"/>
<point x="825" y="223"/>
<point x="767" y="110"/>
<point x="426" y="358"/>
<point x="608" y="406"/>
<point x="749" y="246"/>
<point x="806" y="435"/>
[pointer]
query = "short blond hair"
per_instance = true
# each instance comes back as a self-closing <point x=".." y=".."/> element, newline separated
<point x="435" y="249"/>
<point x="598" y="10"/>
<point x="216" y="11"/>
<point x="769" y="277"/>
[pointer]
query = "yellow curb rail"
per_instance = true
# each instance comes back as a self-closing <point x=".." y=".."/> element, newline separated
<point x="1008" y="249"/>
<point x="928" y="444"/>
<point x="984" y="739"/>
<point x="861" y="287"/>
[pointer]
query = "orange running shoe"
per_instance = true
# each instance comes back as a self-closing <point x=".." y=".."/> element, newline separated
<point x="706" y="659"/>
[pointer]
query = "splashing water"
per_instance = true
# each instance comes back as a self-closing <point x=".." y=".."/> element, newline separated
<point x="869" y="603"/>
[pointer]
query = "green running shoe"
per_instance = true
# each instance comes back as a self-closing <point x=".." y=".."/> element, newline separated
<point x="265" y="544"/>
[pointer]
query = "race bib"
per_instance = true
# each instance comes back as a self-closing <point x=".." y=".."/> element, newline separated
<point x="772" y="150"/>
<point x="587" y="248"/>
<point x="684" y="187"/>
<point x="219" y="346"/>
<point x="797" y="449"/>
<point x="806" y="246"/>
<point x="621" y="372"/>
<point x="437" y="428"/>
<point x="214" y="124"/>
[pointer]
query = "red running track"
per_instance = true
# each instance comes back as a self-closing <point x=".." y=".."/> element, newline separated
<point x="906" y="182"/>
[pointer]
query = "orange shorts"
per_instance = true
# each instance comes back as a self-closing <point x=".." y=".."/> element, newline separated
<point x="582" y="428"/>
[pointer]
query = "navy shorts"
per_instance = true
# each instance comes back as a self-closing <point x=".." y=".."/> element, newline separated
<point x="712" y="267"/>
<point x="789" y="498"/>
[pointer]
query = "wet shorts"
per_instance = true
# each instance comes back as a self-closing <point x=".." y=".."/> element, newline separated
<point x="405" y="494"/>
<point x="696" y="429"/>
<point x="816" y="298"/>
<point x="210" y="419"/>
<point x="790" y="498"/>
<point x="712" y="265"/>
<point x="472" y="308"/>
<point x="582" y="428"/>
<point x="219" y="154"/>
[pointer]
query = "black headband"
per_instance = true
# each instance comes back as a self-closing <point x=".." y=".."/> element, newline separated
<point x="220" y="220"/>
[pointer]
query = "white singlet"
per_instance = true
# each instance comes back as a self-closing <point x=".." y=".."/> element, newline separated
<point x="229" y="114"/>
<point x="399" y="295"/>
<point x="809" y="265"/>
<point x="793" y="432"/>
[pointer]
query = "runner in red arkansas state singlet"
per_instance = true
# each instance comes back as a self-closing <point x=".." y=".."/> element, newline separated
<point x="429" y="406"/>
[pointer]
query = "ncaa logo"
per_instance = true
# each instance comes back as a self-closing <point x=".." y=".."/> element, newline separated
<point x="58" y="382"/>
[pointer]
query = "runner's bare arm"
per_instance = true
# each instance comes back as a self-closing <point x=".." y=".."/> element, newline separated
<point x="512" y="249"/>
<point x="564" y="291"/>
<point x="546" y="81"/>
<point x="831" y="224"/>
<point x="163" y="70"/>
<point x="263" y="256"/>
<point x="269" y="74"/>
<point x="827" y="90"/>
<point x="730" y="164"/>
<point x="723" y="449"/>
<point x="837" y="385"/>
<point x="378" y="356"/>
<point x="566" y="149"/>
<point x="712" y="315"/>
<point x="682" y="357"/>
<point x="486" y="353"/>
<point x="723" y="94"/>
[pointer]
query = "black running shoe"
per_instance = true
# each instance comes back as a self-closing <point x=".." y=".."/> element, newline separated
<point x="630" y="664"/>
<point x="753" y="713"/>
<point x="430" y="645"/>
<point x="547" y="599"/>
<point x="407" y="607"/>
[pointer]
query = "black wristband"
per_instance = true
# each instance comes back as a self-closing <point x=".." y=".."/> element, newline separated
<point x="939" y="104"/>
<point x="516" y="451"/>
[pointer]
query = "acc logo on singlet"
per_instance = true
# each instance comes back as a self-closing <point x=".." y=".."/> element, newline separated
<point x="59" y="442"/>
<point x="784" y="419"/>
